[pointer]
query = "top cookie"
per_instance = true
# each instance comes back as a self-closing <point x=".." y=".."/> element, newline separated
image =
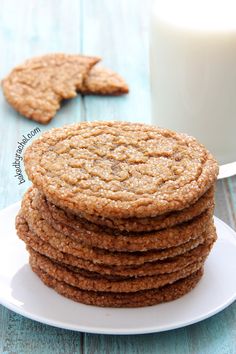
<point x="119" y="169"/>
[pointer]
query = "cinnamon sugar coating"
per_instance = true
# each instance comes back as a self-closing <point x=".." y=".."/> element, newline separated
<point x="60" y="218"/>
<point x="119" y="169"/>
<point x="151" y="297"/>
<point x="162" y="243"/>
<point x="36" y="88"/>
<point x="99" y="283"/>
<point x="183" y="255"/>
<point x="102" y="81"/>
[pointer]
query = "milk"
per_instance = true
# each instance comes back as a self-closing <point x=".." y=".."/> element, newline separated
<point x="193" y="71"/>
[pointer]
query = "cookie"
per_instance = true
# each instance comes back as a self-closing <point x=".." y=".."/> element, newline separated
<point x="105" y="238"/>
<point x="146" y="269"/>
<point x="58" y="240"/>
<point x="59" y="216"/>
<point x="100" y="283"/>
<point x="139" y="299"/>
<point x="82" y="230"/>
<point x="195" y="251"/>
<point x="36" y="88"/>
<point x="119" y="169"/>
<point x="96" y="255"/>
<point x="141" y="224"/>
<point x="102" y="81"/>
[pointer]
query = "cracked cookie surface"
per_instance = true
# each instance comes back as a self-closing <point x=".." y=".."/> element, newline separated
<point x="119" y="169"/>
<point x="36" y="88"/>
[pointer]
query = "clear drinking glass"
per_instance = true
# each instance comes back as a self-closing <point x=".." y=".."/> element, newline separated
<point x="193" y="72"/>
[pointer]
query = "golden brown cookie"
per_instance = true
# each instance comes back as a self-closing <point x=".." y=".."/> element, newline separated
<point x="36" y="88"/>
<point x="141" y="224"/>
<point x="93" y="254"/>
<point x="100" y="283"/>
<point x="138" y="299"/>
<point x="170" y="266"/>
<point x="119" y="169"/>
<point x="104" y="237"/>
<point x="97" y="236"/>
<point x="101" y="81"/>
<point x="167" y="238"/>
<point x="189" y="252"/>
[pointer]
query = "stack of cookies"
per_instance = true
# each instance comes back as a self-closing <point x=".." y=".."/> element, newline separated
<point x="119" y="214"/>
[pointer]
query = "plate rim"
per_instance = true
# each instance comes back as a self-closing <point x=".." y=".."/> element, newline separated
<point x="98" y="330"/>
<point x="227" y="170"/>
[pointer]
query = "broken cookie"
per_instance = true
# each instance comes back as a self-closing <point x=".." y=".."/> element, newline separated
<point x="101" y="81"/>
<point x="36" y="88"/>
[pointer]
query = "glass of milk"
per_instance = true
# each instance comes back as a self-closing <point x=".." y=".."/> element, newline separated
<point x="193" y="72"/>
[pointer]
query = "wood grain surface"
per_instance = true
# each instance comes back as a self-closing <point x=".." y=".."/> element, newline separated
<point x="116" y="30"/>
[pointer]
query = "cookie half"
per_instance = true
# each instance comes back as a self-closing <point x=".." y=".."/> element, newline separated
<point x="102" y="81"/>
<point x="36" y="88"/>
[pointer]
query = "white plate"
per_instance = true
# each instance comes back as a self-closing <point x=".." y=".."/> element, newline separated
<point x="227" y="170"/>
<point x="22" y="292"/>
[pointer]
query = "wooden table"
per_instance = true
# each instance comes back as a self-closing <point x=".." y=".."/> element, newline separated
<point x="117" y="31"/>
